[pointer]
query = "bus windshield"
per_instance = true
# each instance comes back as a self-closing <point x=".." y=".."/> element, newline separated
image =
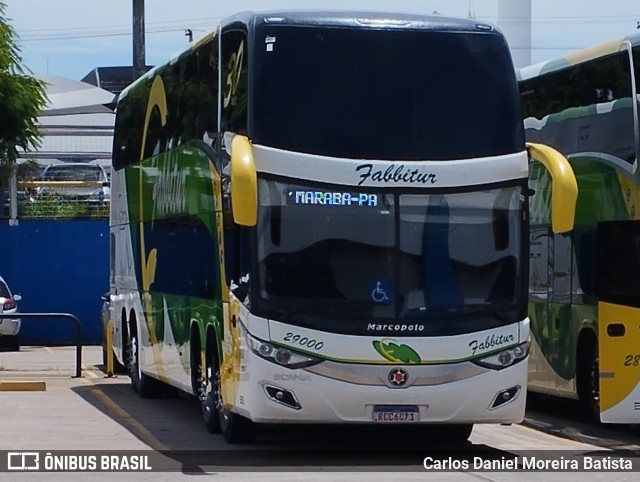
<point x="380" y="256"/>
<point x="330" y="91"/>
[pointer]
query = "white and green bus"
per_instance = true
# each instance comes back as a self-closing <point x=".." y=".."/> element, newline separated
<point x="585" y="284"/>
<point x="322" y="218"/>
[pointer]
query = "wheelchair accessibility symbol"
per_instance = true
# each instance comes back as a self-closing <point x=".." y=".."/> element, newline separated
<point x="380" y="292"/>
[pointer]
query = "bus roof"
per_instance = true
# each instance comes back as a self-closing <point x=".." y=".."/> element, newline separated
<point x="364" y="19"/>
<point x="577" y="57"/>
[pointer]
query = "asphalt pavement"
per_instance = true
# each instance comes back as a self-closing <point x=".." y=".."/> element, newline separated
<point x="45" y="407"/>
<point x="38" y="386"/>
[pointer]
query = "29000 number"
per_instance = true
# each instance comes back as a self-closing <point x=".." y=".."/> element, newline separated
<point x="303" y="341"/>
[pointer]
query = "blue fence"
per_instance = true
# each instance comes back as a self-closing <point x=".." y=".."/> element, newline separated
<point x="57" y="265"/>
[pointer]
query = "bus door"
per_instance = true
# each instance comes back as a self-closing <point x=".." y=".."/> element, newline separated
<point x="539" y="293"/>
<point x="618" y="265"/>
<point x="551" y="268"/>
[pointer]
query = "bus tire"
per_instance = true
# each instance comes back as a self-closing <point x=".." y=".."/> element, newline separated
<point x="212" y="397"/>
<point x="210" y="414"/>
<point x="589" y="379"/>
<point x="117" y="366"/>
<point x="456" y="433"/>
<point x="235" y="428"/>
<point x="143" y="385"/>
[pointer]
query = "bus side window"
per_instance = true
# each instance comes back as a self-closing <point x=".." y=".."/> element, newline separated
<point x="237" y="250"/>
<point x="618" y="262"/>
<point x="235" y="84"/>
<point x="585" y="258"/>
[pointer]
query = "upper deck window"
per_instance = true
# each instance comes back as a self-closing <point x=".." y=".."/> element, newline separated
<point x="384" y="94"/>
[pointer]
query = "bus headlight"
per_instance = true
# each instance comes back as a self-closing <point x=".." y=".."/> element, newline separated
<point x="279" y="355"/>
<point x="505" y="358"/>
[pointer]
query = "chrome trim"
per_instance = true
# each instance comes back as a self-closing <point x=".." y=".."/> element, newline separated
<point x="378" y="375"/>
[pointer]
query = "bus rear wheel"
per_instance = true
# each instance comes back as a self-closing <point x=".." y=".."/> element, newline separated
<point x="589" y="383"/>
<point x="211" y="396"/>
<point x="235" y="428"/>
<point x="117" y="366"/>
<point x="143" y="385"/>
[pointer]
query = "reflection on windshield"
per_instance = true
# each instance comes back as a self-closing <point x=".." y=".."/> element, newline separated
<point x="381" y="256"/>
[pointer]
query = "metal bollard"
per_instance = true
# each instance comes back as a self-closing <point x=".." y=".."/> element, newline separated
<point x="68" y="316"/>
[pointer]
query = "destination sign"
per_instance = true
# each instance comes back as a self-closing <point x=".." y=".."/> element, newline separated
<point x="334" y="198"/>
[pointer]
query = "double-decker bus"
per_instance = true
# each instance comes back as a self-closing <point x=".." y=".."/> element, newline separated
<point x="584" y="290"/>
<point x="322" y="218"/>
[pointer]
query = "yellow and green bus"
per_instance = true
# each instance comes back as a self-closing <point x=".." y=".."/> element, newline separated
<point x="584" y="295"/>
<point x="316" y="218"/>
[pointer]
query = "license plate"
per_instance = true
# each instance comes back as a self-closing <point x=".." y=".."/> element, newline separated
<point x="395" y="414"/>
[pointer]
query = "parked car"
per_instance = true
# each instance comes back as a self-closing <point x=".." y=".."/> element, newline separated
<point x="27" y="171"/>
<point x="94" y="191"/>
<point x="9" y="327"/>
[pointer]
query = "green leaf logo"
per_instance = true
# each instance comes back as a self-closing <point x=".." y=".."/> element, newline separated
<point x="395" y="353"/>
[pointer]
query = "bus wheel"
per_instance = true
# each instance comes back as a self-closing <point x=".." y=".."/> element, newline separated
<point x="235" y="428"/>
<point x="592" y="399"/>
<point x="142" y="384"/>
<point x="210" y="397"/>
<point x="454" y="432"/>
<point x="117" y="366"/>
<point x="462" y="432"/>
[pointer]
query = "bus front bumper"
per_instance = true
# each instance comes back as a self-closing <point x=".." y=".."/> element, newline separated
<point x="269" y="393"/>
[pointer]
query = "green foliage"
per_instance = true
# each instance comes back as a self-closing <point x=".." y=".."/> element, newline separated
<point x="51" y="206"/>
<point x="22" y="97"/>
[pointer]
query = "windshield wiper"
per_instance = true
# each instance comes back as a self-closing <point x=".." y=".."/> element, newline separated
<point x="323" y="306"/>
<point x="443" y="312"/>
<point x="488" y="309"/>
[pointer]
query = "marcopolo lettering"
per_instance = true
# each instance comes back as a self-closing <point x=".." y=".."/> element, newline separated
<point x="395" y="174"/>
<point x="396" y="328"/>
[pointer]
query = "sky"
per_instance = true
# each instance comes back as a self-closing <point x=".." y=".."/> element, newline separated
<point x="69" y="38"/>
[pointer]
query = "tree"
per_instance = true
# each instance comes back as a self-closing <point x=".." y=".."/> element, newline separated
<point x="22" y="97"/>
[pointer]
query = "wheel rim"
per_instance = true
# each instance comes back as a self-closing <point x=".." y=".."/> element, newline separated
<point x="206" y="397"/>
<point x="217" y="396"/>
<point x="134" y="365"/>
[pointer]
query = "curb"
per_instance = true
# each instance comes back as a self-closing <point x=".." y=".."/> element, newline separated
<point x="23" y="386"/>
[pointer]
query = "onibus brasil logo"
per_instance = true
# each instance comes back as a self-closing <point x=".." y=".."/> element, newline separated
<point x="396" y="353"/>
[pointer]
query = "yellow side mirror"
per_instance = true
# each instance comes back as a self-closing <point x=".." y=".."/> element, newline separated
<point x="244" y="183"/>
<point x="564" y="187"/>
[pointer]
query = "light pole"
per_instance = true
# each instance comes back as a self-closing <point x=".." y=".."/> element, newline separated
<point x="139" y="62"/>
